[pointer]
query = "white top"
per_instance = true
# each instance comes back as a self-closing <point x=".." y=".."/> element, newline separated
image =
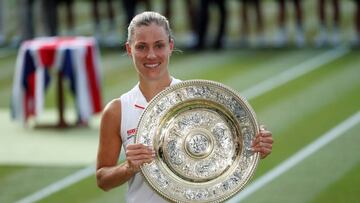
<point x="133" y="104"/>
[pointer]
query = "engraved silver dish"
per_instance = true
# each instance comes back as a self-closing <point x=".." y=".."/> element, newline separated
<point x="202" y="132"/>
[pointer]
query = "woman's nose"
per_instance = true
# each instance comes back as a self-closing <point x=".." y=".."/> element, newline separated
<point x="151" y="54"/>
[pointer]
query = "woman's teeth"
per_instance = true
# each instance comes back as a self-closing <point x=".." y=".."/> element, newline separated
<point x="152" y="65"/>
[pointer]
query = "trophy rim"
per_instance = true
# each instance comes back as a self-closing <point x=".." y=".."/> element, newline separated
<point x="252" y="116"/>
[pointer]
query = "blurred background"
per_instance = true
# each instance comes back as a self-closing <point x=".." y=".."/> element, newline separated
<point x="297" y="62"/>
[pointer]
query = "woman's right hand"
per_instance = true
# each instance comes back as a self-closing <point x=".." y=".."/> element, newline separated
<point x="137" y="155"/>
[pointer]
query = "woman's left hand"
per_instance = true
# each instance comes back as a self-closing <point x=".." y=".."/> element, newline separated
<point x="263" y="142"/>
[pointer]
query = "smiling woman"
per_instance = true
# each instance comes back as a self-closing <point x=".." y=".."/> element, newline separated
<point x="150" y="46"/>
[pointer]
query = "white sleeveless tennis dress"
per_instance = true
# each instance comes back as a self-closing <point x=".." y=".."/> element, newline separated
<point x="133" y="104"/>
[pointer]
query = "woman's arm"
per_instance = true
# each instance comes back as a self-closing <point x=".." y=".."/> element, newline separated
<point x="108" y="173"/>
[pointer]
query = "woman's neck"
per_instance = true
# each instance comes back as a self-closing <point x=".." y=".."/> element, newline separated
<point x="151" y="88"/>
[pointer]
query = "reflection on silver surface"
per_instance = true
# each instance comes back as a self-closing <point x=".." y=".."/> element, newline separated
<point x="201" y="132"/>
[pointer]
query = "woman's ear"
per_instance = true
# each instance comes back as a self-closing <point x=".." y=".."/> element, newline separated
<point x="171" y="44"/>
<point x="128" y="49"/>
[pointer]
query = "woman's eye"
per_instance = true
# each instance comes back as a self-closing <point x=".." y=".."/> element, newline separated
<point x="159" y="46"/>
<point x="140" y="47"/>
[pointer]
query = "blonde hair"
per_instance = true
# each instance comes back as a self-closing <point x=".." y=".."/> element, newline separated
<point x="146" y="19"/>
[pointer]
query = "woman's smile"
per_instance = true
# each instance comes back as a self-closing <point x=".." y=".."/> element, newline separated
<point x="151" y="65"/>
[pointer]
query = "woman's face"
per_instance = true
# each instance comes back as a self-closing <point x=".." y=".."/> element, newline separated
<point x="150" y="51"/>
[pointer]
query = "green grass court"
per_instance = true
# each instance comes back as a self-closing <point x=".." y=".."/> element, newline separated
<point x="308" y="94"/>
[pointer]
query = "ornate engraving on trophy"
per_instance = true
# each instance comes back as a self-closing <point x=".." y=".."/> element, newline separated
<point x="202" y="133"/>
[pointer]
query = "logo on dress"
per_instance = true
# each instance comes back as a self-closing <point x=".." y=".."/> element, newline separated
<point x="131" y="133"/>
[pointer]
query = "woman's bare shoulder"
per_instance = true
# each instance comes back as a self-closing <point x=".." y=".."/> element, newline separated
<point x="113" y="109"/>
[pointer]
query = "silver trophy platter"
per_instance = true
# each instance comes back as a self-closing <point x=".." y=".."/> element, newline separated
<point x="201" y="132"/>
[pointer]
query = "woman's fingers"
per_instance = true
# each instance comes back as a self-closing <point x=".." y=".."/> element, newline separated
<point x="261" y="146"/>
<point x="141" y="157"/>
<point x="139" y="154"/>
<point x="136" y="146"/>
<point x="138" y="149"/>
<point x="264" y="152"/>
<point x="262" y="139"/>
<point x="263" y="142"/>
